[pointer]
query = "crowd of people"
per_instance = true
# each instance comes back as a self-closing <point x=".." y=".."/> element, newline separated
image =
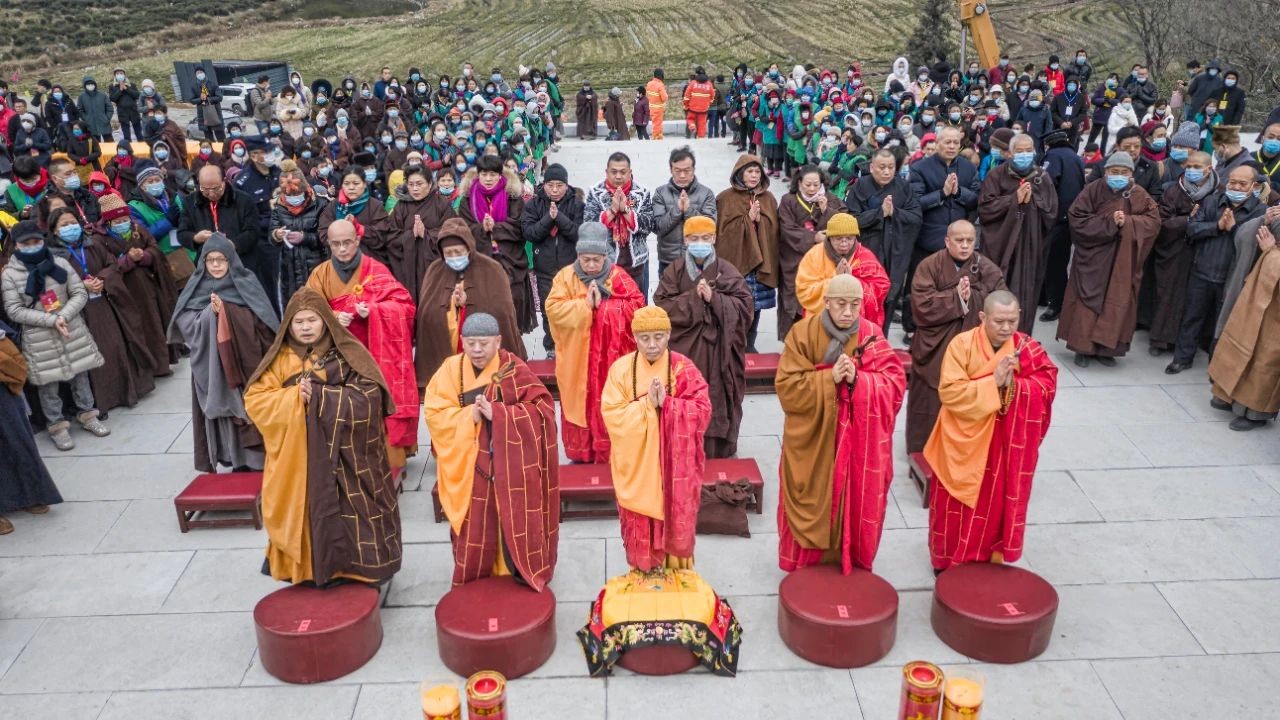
<point x="359" y="225"/>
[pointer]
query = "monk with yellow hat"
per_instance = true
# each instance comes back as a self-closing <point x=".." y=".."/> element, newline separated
<point x="997" y="387"/>
<point x="841" y="254"/>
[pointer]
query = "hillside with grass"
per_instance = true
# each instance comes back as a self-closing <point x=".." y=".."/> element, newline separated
<point x="607" y="42"/>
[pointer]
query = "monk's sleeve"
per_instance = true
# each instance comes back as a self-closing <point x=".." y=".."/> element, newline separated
<point x="1146" y="224"/>
<point x="932" y="304"/>
<point x="872" y="275"/>
<point x="994" y="203"/>
<point x="802" y="388"/>
<point x="1046" y="200"/>
<point x="635" y="433"/>
<point x="811" y="281"/>
<point x="1090" y="226"/>
<point x="686" y="309"/>
<point x="965" y="397"/>
<point x="453" y="438"/>
<point x="280" y="416"/>
<point x="567" y="311"/>
<point x="685" y="415"/>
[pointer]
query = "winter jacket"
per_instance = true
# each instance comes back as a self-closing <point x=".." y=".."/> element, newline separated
<point x="291" y="115"/>
<point x="1204" y="86"/>
<point x="237" y="219"/>
<point x="38" y="140"/>
<point x="552" y="251"/>
<point x="1037" y="121"/>
<point x="1144" y="95"/>
<point x="1230" y="104"/>
<point x="1104" y="101"/>
<point x="205" y="93"/>
<point x="261" y="106"/>
<point x="1121" y="118"/>
<point x="928" y="175"/>
<point x="297" y="261"/>
<point x="599" y="199"/>
<point x="126" y="101"/>
<point x="50" y="357"/>
<point x="55" y="110"/>
<point x="668" y="221"/>
<point x="95" y="109"/>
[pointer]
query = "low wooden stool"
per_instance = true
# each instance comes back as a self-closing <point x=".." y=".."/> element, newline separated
<point x="921" y="473"/>
<point x="994" y="613"/>
<point x="214" y="492"/>
<point x="498" y="624"/>
<point x="837" y="620"/>
<point x="546" y="372"/>
<point x="310" y="635"/>
<point x="760" y="370"/>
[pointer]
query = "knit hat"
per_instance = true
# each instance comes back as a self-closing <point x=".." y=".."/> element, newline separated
<point x="1001" y="138"/>
<point x="28" y="117"/>
<point x="1226" y="134"/>
<point x="480" y="325"/>
<point x="556" y="171"/>
<point x="148" y="83"/>
<point x="699" y="225"/>
<point x="1187" y="136"/>
<point x="843" y="286"/>
<point x="1119" y="158"/>
<point x="593" y="239"/>
<point x="650" y="318"/>
<point x="26" y="230"/>
<point x="842" y="225"/>
<point x="149" y="172"/>
<point x="1150" y="126"/>
<point x="615" y="92"/>
<point x="113" y="206"/>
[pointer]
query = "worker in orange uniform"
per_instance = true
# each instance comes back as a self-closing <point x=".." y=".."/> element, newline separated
<point x="656" y="91"/>
<point x="698" y="96"/>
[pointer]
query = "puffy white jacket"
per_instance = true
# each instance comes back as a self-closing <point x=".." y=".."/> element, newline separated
<point x="50" y="357"/>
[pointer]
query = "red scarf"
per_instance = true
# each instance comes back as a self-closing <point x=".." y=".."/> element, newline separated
<point x="622" y="225"/>
<point x="492" y="202"/>
<point x="38" y="186"/>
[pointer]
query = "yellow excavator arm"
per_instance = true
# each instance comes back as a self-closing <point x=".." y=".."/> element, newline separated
<point x="975" y="19"/>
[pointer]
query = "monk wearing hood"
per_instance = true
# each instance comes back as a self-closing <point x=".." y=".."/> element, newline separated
<point x="840" y="385"/>
<point x="840" y="253"/>
<point x="710" y="309"/>
<point x="367" y="300"/>
<point x="461" y="282"/>
<point x="318" y="399"/>
<point x="414" y="225"/>
<point x="747" y="237"/>
<point x="803" y="214"/>
<point x="224" y="318"/>
<point x="589" y="311"/>
<point x="493" y="424"/>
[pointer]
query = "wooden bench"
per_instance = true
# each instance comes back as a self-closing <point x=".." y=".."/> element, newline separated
<point x="761" y="369"/>
<point x="922" y="475"/>
<point x="226" y="492"/>
<point x="546" y="372"/>
<point x="592" y="484"/>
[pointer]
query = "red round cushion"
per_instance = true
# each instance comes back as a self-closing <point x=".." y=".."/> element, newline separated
<point x="837" y="620"/>
<point x="309" y="635"/>
<point x="994" y="613"/>
<point x="496" y="624"/>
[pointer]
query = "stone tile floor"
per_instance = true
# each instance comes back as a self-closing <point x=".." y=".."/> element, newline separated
<point x="1159" y="527"/>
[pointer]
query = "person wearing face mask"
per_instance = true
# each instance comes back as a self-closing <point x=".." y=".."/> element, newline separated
<point x="83" y="151"/>
<point x="356" y="202"/>
<point x="640" y="114"/>
<point x="125" y="96"/>
<point x="122" y="170"/>
<point x="587" y="113"/>
<point x="1017" y="206"/>
<point x="393" y="155"/>
<point x="218" y="206"/>
<point x="1142" y="89"/>
<point x="1204" y="85"/>
<point x="492" y="204"/>
<point x="769" y="124"/>
<point x="206" y="155"/>
<point x="158" y="126"/>
<point x="66" y="186"/>
<point x="1268" y="154"/>
<point x="550" y="223"/>
<point x="157" y="208"/>
<point x="94" y="107"/>
<point x="1171" y="257"/>
<point x="162" y="157"/>
<point x="1123" y="115"/>
<point x="1104" y="100"/>
<point x="1055" y="78"/>
<point x="204" y="94"/>
<point x="258" y="180"/>
<point x="1037" y="118"/>
<point x="45" y="296"/>
<point x="290" y="111"/>
<point x="295" y="229"/>
<point x="367" y="112"/>
<point x="32" y="140"/>
<point x="1231" y="99"/>
<point x="60" y="112"/>
<point x="460" y="282"/>
<point x="1214" y="232"/>
<point x="1114" y="224"/>
<point x="1070" y="108"/>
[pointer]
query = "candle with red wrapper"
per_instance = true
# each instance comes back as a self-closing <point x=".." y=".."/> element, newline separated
<point x="921" y="691"/>
<point x="487" y="696"/>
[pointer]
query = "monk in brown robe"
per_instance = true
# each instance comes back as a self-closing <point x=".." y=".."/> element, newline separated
<point x="747" y="237"/>
<point x="1245" y="368"/>
<point x="802" y="217"/>
<point x="460" y="282"/>
<point x="1017" y="205"/>
<point x="414" y="225"/>
<point x="615" y="117"/>
<point x="493" y="426"/>
<point x="947" y="293"/>
<point x="710" y="308"/>
<point x="318" y="399"/>
<point x="1114" y="223"/>
<point x="1172" y="254"/>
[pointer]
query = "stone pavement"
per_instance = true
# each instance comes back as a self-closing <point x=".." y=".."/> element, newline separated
<point x="1157" y="524"/>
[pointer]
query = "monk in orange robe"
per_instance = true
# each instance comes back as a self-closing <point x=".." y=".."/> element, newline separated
<point x="318" y="399"/>
<point x="589" y="312"/>
<point x="997" y="387"/>
<point x="842" y="254"/>
<point x="369" y="301"/>
<point x="493" y="427"/>
<point x="841" y="386"/>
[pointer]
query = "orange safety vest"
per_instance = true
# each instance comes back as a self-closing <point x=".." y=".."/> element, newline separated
<point x="698" y="96"/>
<point x="656" y="91"/>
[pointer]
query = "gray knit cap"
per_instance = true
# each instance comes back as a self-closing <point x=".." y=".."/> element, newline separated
<point x="1187" y="136"/>
<point x="593" y="239"/>
<point x="148" y="172"/>
<point x="1119" y="158"/>
<point x="480" y="325"/>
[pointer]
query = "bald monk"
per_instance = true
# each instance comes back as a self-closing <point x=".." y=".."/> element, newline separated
<point x="1017" y="205"/>
<point x="493" y="427"/>
<point x="369" y="301"/>
<point x="997" y="387"/>
<point x="947" y="293"/>
<point x="318" y="399"/>
<point x="589" y="312"/>
<point x="840" y="385"/>
<point x="841" y="254"/>
<point x="711" y="310"/>
<point x="656" y="408"/>
<point x="460" y="282"/>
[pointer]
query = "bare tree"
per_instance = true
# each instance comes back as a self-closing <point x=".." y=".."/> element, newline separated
<point x="1255" y="54"/>
<point x="1157" y="25"/>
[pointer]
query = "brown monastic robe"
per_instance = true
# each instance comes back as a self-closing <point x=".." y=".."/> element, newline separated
<point x="940" y="316"/>
<point x="714" y="335"/>
<point x="1245" y="368"/>
<point x="410" y="255"/>
<point x="375" y="241"/>
<point x="1014" y="235"/>
<point x="1171" y="264"/>
<point x="151" y="285"/>
<point x="1100" y="310"/>
<point x="799" y="222"/>
<point x="615" y="118"/>
<point x="504" y="244"/>
<point x="488" y="291"/>
<point x="751" y="247"/>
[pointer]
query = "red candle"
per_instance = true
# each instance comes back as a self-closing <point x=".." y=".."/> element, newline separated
<point x="921" y="691"/>
<point x="487" y="696"/>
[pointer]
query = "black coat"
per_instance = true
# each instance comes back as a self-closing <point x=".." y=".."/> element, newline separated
<point x="1144" y="95"/>
<point x="126" y="101"/>
<point x="550" y="254"/>
<point x="237" y="219"/>
<point x="297" y="261"/>
<point x="892" y="239"/>
<point x="927" y="178"/>
<point x="1066" y="170"/>
<point x="1078" y="111"/>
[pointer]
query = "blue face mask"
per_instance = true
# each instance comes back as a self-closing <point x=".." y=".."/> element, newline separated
<point x="458" y="264"/>
<point x="370" y="175"/>
<point x="30" y="251"/>
<point x="1117" y="182"/>
<point x="70" y="233"/>
<point x="1159" y="144"/>
<point x="446" y="191"/>
<point x="1071" y="87"/>
<point x="72" y="183"/>
<point x="306" y="154"/>
<point x="1270" y="146"/>
<point x="1179" y="154"/>
<point x="155" y="189"/>
<point x="1034" y="104"/>
<point x="1195" y="176"/>
<point x="700" y="250"/>
<point x="1023" y="160"/>
<point x="324" y="171"/>
<point x="235" y="134"/>
<point x="162" y="154"/>
<point x="1236" y="196"/>
<point x="122" y="228"/>
<point x="295" y="200"/>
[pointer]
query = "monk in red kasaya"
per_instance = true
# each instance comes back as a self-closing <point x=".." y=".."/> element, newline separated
<point x="841" y="386"/>
<point x="997" y="387"/>
<point x="369" y="301"/>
